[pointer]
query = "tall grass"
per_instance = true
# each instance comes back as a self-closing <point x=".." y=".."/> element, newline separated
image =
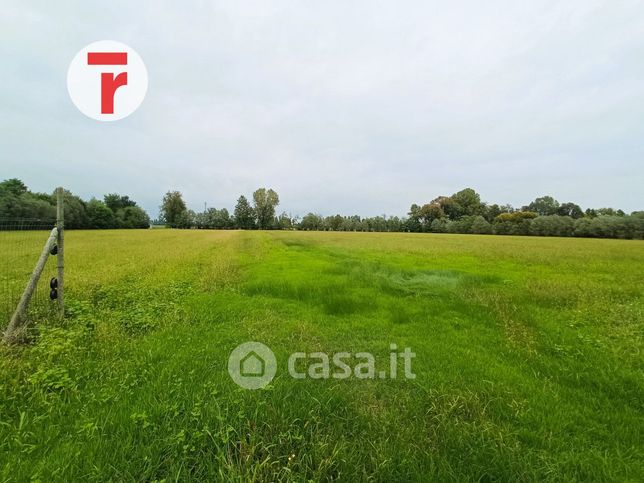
<point x="529" y="360"/>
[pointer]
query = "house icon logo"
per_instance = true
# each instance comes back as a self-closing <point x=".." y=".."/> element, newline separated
<point x="252" y="365"/>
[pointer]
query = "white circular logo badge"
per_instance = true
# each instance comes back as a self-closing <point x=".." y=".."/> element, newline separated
<point x="107" y="80"/>
<point x="252" y="365"/>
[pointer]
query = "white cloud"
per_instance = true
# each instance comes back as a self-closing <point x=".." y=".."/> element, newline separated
<point x="353" y="107"/>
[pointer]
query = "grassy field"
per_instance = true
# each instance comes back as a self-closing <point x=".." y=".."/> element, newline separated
<point x="529" y="360"/>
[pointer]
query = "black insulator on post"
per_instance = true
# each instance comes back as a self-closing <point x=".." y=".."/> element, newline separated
<point x="54" y="250"/>
<point x="53" y="294"/>
<point x="53" y="283"/>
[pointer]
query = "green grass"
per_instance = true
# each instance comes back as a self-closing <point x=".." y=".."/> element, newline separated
<point x="529" y="360"/>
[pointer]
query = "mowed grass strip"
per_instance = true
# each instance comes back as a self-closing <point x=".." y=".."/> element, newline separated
<point x="529" y="360"/>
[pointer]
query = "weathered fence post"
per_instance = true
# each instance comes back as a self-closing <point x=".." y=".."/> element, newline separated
<point x="60" y="224"/>
<point x="19" y="318"/>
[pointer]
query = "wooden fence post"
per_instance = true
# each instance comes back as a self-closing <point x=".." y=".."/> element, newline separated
<point x="60" y="224"/>
<point x="12" y="334"/>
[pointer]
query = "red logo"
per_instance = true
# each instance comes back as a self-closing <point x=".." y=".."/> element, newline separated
<point x="109" y="83"/>
<point x="107" y="80"/>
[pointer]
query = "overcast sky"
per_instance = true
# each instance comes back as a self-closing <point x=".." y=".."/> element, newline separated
<point x="340" y="106"/>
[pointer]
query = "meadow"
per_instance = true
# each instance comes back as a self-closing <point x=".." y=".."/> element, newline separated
<point x="528" y="362"/>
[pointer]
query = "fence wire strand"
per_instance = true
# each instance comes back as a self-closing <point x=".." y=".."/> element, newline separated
<point x="21" y="242"/>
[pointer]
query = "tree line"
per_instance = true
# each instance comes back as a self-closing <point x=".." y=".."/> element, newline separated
<point x="17" y="202"/>
<point x="461" y="212"/>
<point x="246" y="216"/>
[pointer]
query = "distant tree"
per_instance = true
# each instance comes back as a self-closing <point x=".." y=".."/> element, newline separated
<point x="490" y="212"/>
<point x="635" y="224"/>
<point x="450" y="207"/>
<point x="311" y="222"/>
<point x="611" y="226"/>
<point x="186" y="219"/>
<point x="224" y="219"/>
<point x="570" y="209"/>
<point x="376" y="223"/>
<point x="439" y="225"/>
<point x="544" y="206"/>
<point x="606" y="226"/>
<point x="244" y="214"/>
<point x="201" y="220"/>
<point x="413" y="222"/>
<point x="515" y="223"/>
<point x="217" y="219"/>
<point x="115" y="202"/>
<point x="430" y="212"/>
<point x="481" y="226"/>
<point x="609" y="212"/>
<point x="583" y="227"/>
<point x="517" y="216"/>
<point x="16" y="201"/>
<point x="552" y="225"/>
<point x="333" y="223"/>
<point x="564" y="226"/>
<point x="469" y="202"/>
<point x="174" y="210"/>
<point x="75" y="210"/>
<point x="132" y="217"/>
<point x="463" y="224"/>
<point x="26" y="207"/>
<point x="13" y="186"/>
<point x="394" y="224"/>
<point x="284" y="222"/>
<point x="99" y="215"/>
<point x="351" y="223"/>
<point x="265" y="202"/>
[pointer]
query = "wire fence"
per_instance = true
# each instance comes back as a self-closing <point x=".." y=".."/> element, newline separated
<point x="21" y="243"/>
